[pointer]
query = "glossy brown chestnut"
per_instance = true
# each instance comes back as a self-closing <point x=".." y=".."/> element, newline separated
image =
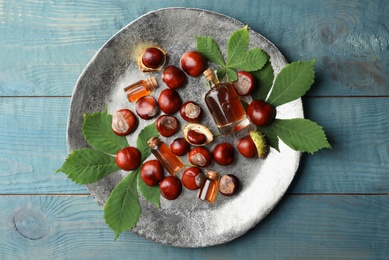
<point x="128" y="158"/>
<point x="245" y="83"/>
<point x="169" y="101"/>
<point x="223" y="153"/>
<point x="167" y="125"/>
<point x="193" y="63"/>
<point x="173" y="77"/>
<point x="246" y="147"/>
<point x="192" y="178"/>
<point x="261" y="113"/>
<point x="191" y="112"/>
<point x="229" y="185"/>
<point x="151" y="172"/>
<point x="146" y="107"/>
<point x="124" y="122"/>
<point x="200" y="156"/>
<point x="170" y="187"/>
<point x="196" y="138"/>
<point x="180" y="146"/>
<point x="153" y="57"/>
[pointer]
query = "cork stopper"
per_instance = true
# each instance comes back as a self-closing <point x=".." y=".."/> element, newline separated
<point x="151" y="83"/>
<point x="209" y="74"/>
<point x="153" y="141"/>
<point x="212" y="174"/>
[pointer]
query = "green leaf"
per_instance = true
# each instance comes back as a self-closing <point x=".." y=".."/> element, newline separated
<point x="97" y="131"/>
<point x="210" y="49"/>
<point x="221" y="73"/>
<point x="122" y="209"/>
<point x="252" y="60"/>
<point x="264" y="81"/>
<point x="86" y="165"/>
<point x="301" y="134"/>
<point x="237" y="45"/>
<point x="293" y="81"/>
<point x="270" y="135"/>
<point x="144" y="135"/>
<point x="231" y="75"/>
<point x="150" y="193"/>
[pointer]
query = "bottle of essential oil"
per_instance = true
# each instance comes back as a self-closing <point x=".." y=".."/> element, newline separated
<point x="165" y="156"/>
<point x="224" y="104"/>
<point x="140" y="89"/>
<point x="208" y="190"/>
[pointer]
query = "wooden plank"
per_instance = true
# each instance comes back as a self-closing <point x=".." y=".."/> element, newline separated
<point x="358" y="162"/>
<point x="319" y="227"/>
<point x="33" y="147"/>
<point x="45" y="45"/>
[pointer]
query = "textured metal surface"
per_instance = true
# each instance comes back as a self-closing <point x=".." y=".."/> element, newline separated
<point x="187" y="221"/>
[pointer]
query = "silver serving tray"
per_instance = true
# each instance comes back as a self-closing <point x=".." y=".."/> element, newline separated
<point x="187" y="221"/>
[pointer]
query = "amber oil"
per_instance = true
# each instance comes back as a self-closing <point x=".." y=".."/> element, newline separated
<point x="210" y="186"/>
<point x="165" y="156"/>
<point x="140" y="89"/>
<point x="224" y="104"/>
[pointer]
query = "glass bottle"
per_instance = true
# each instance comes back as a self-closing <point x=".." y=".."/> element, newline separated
<point x="224" y="104"/>
<point x="209" y="188"/>
<point x="165" y="156"/>
<point x="140" y="89"/>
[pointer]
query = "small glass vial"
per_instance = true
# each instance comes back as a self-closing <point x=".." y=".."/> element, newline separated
<point x="140" y="89"/>
<point x="224" y="104"/>
<point x="165" y="156"/>
<point x="210" y="186"/>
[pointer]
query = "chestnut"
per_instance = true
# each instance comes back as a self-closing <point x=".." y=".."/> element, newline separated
<point x="128" y="158"/>
<point x="170" y="187"/>
<point x="223" y="153"/>
<point x="173" y="77"/>
<point x="192" y="178"/>
<point x="191" y="112"/>
<point x="228" y="185"/>
<point x="169" y="101"/>
<point x="152" y="59"/>
<point x="245" y="83"/>
<point x="246" y="147"/>
<point x="193" y="63"/>
<point x="260" y="113"/>
<point x="124" y="122"/>
<point x="179" y="146"/>
<point x="151" y="172"/>
<point x="167" y="125"/>
<point x="197" y="134"/>
<point x="200" y="156"/>
<point x="196" y="138"/>
<point x="146" y="107"/>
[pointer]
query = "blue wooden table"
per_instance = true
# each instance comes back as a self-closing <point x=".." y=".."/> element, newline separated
<point x="338" y="204"/>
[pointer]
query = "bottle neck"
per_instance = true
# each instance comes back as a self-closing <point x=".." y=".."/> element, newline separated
<point x="151" y="83"/>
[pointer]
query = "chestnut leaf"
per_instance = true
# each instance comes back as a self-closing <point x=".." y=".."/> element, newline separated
<point x="292" y="82"/>
<point x="301" y="134"/>
<point x="122" y="209"/>
<point x="210" y="49"/>
<point x="85" y="165"/>
<point x="270" y="136"/>
<point x="237" y="45"/>
<point x="252" y="60"/>
<point x="144" y="135"/>
<point x="263" y="81"/>
<point x="97" y="131"/>
<point x="150" y="193"/>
